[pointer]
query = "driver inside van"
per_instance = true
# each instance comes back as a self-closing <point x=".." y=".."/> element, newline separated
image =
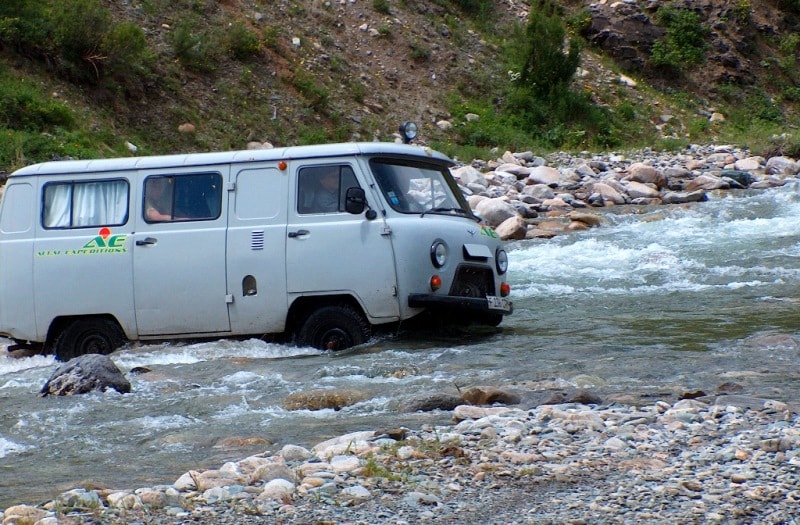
<point x="158" y="199"/>
<point x="326" y="198"/>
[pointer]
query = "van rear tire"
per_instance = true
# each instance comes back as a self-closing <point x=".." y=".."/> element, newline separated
<point x="333" y="328"/>
<point x="88" y="336"/>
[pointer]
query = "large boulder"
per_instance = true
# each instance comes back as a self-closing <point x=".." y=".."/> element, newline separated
<point x="84" y="374"/>
<point x="495" y="211"/>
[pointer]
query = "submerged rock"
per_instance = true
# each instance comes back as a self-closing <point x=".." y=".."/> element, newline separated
<point x="84" y="374"/>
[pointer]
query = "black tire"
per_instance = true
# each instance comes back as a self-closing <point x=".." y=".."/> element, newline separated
<point x="492" y="320"/>
<point x="333" y="328"/>
<point x="88" y="336"/>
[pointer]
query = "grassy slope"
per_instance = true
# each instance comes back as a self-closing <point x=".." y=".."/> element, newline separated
<point x="333" y="72"/>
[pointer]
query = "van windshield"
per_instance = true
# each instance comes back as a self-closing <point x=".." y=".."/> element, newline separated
<point x="414" y="187"/>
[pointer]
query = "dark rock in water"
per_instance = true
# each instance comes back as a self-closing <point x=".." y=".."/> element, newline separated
<point x="742" y="177"/>
<point x="322" y="399"/>
<point x="693" y="395"/>
<point x="489" y="395"/>
<point x="557" y="397"/>
<point x="84" y="374"/>
<point x="730" y="388"/>
<point x="432" y="402"/>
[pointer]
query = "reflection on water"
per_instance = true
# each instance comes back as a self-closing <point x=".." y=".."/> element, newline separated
<point x="650" y="304"/>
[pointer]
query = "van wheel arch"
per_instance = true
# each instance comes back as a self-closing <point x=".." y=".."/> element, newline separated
<point x="330" y="325"/>
<point x="71" y="337"/>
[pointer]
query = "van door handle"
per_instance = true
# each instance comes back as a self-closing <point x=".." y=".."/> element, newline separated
<point x="147" y="241"/>
<point x="298" y="233"/>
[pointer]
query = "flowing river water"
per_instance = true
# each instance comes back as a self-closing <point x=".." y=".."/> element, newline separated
<point x="651" y="304"/>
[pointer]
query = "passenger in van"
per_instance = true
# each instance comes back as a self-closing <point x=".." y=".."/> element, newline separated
<point x="158" y="199"/>
<point x="326" y="199"/>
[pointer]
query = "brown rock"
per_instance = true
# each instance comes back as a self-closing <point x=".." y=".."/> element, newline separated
<point x="489" y="395"/>
<point x="322" y="399"/>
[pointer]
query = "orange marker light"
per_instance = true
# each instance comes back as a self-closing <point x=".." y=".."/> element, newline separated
<point x="436" y="282"/>
<point x="282" y="165"/>
<point x="505" y="289"/>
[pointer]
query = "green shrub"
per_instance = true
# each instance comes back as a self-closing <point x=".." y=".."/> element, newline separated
<point x="382" y="6"/>
<point x="23" y="106"/>
<point x="242" y="42"/>
<point x="420" y="52"/>
<point x="547" y="67"/>
<point x="476" y="8"/>
<point x="683" y="44"/>
<point x="742" y="11"/>
<point x="200" y="51"/>
<point x="315" y="94"/>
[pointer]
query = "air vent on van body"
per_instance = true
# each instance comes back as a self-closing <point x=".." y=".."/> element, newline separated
<point x="257" y="240"/>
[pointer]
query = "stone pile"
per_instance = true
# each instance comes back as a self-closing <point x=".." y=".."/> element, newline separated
<point x="525" y="196"/>
<point x="722" y="459"/>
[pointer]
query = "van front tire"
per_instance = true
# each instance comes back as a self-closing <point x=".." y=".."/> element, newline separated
<point x="333" y="328"/>
<point x="88" y="336"/>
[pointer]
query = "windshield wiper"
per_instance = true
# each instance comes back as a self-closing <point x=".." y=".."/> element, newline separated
<point x="443" y="209"/>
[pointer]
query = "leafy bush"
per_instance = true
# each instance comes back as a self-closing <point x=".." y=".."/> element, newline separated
<point x="382" y="6"/>
<point x="23" y="106"/>
<point x="200" y="51"/>
<point x="477" y="8"/>
<point x="683" y="44"/>
<point x="242" y="42"/>
<point x="315" y="94"/>
<point x="78" y="39"/>
<point x="547" y="67"/>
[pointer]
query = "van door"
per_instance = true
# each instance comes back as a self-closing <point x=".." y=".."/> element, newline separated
<point x="257" y="250"/>
<point x="330" y="251"/>
<point x="82" y="260"/>
<point x="179" y="247"/>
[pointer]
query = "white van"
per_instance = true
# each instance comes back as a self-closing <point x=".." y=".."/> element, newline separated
<point x="319" y="242"/>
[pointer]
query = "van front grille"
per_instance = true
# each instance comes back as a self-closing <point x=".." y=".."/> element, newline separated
<point x="473" y="281"/>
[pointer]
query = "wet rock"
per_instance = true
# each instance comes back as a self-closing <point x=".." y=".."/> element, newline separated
<point x="432" y="402"/>
<point x="560" y="396"/>
<point x="513" y="228"/>
<point x="83" y="374"/>
<point x="489" y="395"/>
<point x="706" y="182"/>
<point x="683" y="197"/>
<point x="590" y="219"/>
<point x="646" y="174"/>
<point x="322" y="399"/>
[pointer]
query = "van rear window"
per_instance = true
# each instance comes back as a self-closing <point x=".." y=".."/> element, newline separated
<point x="85" y="204"/>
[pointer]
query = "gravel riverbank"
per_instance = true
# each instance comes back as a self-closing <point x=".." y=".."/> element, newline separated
<point x="724" y="459"/>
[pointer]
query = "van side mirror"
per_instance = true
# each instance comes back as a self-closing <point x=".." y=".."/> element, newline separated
<point x="355" y="201"/>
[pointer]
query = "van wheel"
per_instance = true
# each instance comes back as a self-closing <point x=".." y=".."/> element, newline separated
<point x="88" y="336"/>
<point x="333" y="328"/>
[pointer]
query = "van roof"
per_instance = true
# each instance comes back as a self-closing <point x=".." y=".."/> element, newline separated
<point x="227" y="157"/>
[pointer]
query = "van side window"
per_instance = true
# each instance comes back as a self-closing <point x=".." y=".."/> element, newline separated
<point x="194" y="197"/>
<point x="85" y="204"/>
<point x="321" y="189"/>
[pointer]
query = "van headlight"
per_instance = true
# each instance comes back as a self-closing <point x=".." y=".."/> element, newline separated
<point x="501" y="261"/>
<point x="438" y="254"/>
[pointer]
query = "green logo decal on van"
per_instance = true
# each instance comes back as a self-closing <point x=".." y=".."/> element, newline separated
<point x="485" y="230"/>
<point x="105" y="242"/>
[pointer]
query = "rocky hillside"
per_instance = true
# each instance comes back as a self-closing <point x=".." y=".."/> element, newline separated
<point x="222" y="74"/>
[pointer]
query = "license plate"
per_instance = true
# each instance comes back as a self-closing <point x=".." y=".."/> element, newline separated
<point x="498" y="303"/>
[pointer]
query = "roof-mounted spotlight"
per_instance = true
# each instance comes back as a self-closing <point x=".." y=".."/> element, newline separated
<point x="408" y="130"/>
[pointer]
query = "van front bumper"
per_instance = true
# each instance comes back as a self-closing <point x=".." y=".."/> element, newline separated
<point x="490" y="304"/>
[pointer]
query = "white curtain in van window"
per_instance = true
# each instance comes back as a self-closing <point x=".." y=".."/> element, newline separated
<point x="57" y="199"/>
<point x="101" y="203"/>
